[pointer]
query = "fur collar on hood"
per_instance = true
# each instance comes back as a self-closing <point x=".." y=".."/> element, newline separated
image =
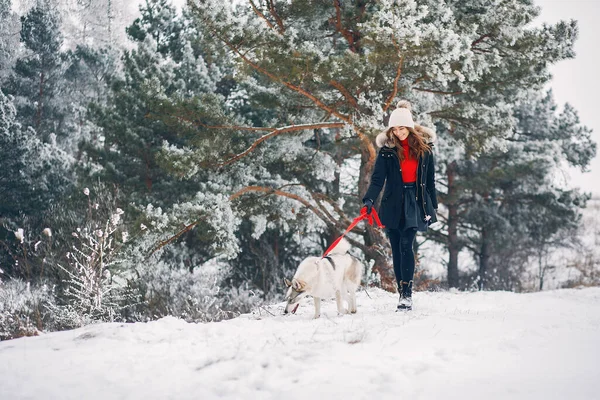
<point x="427" y="134"/>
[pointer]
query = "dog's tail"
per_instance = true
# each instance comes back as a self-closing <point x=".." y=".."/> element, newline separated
<point x="342" y="247"/>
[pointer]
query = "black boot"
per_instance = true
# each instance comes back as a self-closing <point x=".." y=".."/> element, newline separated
<point x="405" y="302"/>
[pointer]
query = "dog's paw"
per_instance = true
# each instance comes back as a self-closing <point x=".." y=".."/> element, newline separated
<point x="316" y="316"/>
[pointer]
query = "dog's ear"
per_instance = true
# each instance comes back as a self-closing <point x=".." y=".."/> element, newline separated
<point x="287" y="282"/>
<point x="298" y="285"/>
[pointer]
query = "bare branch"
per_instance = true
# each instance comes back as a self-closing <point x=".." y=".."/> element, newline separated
<point x="392" y="95"/>
<point x="232" y="127"/>
<point x="316" y="198"/>
<point x="348" y="35"/>
<point x="341" y="223"/>
<point x="348" y="119"/>
<point x="260" y="14"/>
<point x="441" y="183"/>
<point x="281" y="80"/>
<point x="437" y="91"/>
<point x="438" y="236"/>
<point x="336" y="207"/>
<point x="325" y="217"/>
<point x="422" y="78"/>
<point x="249" y="189"/>
<point x="481" y="39"/>
<point x="279" y="131"/>
<point x="322" y="213"/>
<point x="344" y="92"/>
<point x="478" y="50"/>
<point x="187" y="228"/>
<point x="273" y="11"/>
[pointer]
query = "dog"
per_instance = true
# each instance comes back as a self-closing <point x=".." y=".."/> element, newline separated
<point x="339" y="274"/>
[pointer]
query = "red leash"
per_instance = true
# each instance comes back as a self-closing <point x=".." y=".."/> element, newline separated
<point x="363" y="215"/>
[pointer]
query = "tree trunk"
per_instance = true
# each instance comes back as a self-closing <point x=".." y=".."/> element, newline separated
<point x="453" y="240"/>
<point x="543" y="264"/>
<point x="484" y="259"/>
<point x="38" y="114"/>
<point x="110" y="17"/>
<point x="147" y="175"/>
<point x="384" y="267"/>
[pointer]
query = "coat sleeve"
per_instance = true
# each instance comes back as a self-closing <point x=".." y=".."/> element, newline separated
<point x="377" y="179"/>
<point x="431" y="181"/>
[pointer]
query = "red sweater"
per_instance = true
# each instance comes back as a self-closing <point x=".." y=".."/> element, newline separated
<point x="408" y="165"/>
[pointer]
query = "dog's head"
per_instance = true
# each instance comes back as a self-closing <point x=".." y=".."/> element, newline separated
<point x="295" y="292"/>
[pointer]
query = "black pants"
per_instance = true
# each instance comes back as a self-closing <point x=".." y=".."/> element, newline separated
<point x="403" y="255"/>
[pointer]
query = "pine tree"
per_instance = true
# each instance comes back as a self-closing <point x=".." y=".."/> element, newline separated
<point x="14" y="152"/>
<point x="511" y="207"/>
<point x="159" y="21"/>
<point x="136" y="152"/>
<point x="127" y="122"/>
<point x="8" y="38"/>
<point x="514" y="61"/>
<point x="35" y="175"/>
<point x="35" y="83"/>
<point x="86" y="80"/>
<point x="337" y="68"/>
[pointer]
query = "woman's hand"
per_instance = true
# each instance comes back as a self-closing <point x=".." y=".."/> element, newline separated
<point x="369" y="204"/>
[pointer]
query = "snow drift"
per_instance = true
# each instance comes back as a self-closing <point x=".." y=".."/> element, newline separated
<point x="492" y="345"/>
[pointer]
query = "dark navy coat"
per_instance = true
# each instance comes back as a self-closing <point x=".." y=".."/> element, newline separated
<point x="387" y="171"/>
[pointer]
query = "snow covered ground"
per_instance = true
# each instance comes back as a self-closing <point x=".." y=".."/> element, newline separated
<point x="481" y="345"/>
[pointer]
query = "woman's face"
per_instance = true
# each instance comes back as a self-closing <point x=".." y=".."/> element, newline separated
<point x="401" y="132"/>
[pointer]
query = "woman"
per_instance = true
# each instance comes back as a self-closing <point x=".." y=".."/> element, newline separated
<point x="409" y="203"/>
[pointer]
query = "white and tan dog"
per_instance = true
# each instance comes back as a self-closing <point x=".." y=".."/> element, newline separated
<point x="338" y="275"/>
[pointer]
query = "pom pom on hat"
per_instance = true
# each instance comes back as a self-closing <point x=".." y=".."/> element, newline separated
<point x="404" y="104"/>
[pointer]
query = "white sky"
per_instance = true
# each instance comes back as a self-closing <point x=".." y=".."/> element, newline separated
<point x="576" y="81"/>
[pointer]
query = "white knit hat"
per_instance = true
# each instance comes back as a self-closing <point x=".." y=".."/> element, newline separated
<point x="402" y="115"/>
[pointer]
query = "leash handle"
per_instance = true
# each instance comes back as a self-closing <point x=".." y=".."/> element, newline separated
<point x="371" y="217"/>
<point x="363" y="215"/>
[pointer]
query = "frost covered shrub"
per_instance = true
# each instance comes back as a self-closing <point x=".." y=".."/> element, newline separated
<point x="585" y="258"/>
<point x="176" y="263"/>
<point x="23" y="309"/>
<point x="270" y="253"/>
<point x="93" y="287"/>
<point x="28" y="310"/>
<point x="177" y="284"/>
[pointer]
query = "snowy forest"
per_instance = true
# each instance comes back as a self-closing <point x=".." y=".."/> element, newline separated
<point x="161" y="159"/>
